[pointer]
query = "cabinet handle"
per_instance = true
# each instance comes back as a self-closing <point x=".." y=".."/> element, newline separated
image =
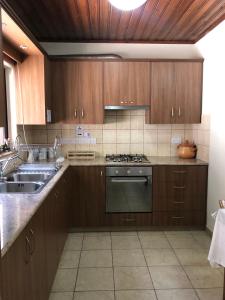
<point x="101" y="173"/>
<point x="177" y="218"/>
<point x="172" y="112"/>
<point x="33" y="241"/>
<point x="82" y="112"/>
<point x="179" y="172"/>
<point x="75" y="113"/>
<point x="179" y="111"/>
<point x="178" y="187"/>
<point x="178" y="202"/>
<point x="28" y="250"/>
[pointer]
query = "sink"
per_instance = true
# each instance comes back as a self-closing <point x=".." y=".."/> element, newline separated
<point x="20" y="187"/>
<point x="18" y="176"/>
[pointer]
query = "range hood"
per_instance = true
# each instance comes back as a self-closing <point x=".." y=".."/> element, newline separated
<point x="126" y="107"/>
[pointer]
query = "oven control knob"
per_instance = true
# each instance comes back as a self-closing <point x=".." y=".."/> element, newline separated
<point x="117" y="172"/>
<point x="128" y="172"/>
<point x="140" y="172"/>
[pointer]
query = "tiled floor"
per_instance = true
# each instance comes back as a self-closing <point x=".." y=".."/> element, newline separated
<point x="137" y="266"/>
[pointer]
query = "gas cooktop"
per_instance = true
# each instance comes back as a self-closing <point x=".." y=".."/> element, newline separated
<point x="126" y="158"/>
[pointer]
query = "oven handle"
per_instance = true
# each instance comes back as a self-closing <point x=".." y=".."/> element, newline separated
<point x="128" y="180"/>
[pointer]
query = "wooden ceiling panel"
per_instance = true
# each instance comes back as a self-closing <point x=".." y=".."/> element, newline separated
<point x="168" y="21"/>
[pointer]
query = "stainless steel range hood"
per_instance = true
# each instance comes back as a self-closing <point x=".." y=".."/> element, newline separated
<point x="126" y="107"/>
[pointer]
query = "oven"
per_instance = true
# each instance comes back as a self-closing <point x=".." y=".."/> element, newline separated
<point x="128" y="189"/>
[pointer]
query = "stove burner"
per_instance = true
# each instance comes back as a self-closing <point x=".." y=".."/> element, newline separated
<point x="136" y="158"/>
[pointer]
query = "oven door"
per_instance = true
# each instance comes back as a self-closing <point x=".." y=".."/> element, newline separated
<point x="129" y="194"/>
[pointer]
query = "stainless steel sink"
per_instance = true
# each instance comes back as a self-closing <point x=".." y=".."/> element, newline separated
<point x="18" y="176"/>
<point x="21" y="187"/>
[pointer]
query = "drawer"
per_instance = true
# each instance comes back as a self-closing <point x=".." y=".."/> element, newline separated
<point x="128" y="219"/>
<point x="182" y="218"/>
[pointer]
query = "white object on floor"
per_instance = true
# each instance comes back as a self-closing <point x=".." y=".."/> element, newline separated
<point x="216" y="255"/>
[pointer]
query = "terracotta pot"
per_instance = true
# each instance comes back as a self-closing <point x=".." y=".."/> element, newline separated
<point x="187" y="150"/>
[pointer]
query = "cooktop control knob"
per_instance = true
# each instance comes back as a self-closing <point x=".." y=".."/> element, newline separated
<point x="117" y="172"/>
<point x="128" y="172"/>
<point x="140" y="172"/>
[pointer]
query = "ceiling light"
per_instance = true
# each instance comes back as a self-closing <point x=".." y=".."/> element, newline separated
<point x="24" y="47"/>
<point x="127" y="4"/>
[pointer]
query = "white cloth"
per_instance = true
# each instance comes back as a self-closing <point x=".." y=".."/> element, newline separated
<point x="216" y="255"/>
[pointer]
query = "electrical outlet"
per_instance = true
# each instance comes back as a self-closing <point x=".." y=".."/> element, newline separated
<point x="176" y="139"/>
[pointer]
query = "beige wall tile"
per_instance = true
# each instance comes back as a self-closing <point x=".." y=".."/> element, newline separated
<point x="164" y="136"/>
<point x="123" y="148"/>
<point x="150" y="126"/>
<point x="138" y="112"/>
<point x="150" y="136"/>
<point x="123" y="136"/>
<point x="137" y="122"/>
<point x="164" y="126"/>
<point x="123" y="113"/>
<point x="110" y="113"/>
<point x="137" y="136"/>
<point x="109" y="149"/>
<point x="66" y="148"/>
<point x="54" y="126"/>
<point x="96" y="134"/>
<point x="52" y="134"/>
<point x="82" y="147"/>
<point x="178" y="133"/>
<point x="69" y="126"/>
<point x="136" y="148"/>
<point x="173" y="150"/>
<point x="178" y="126"/>
<point x="97" y="148"/>
<point x="203" y="153"/>
<point x="39" y="136"/>
<point x="68" y="133"/>
<point x="109" y="122"/>
<point x="164" y="149"/>
<point x="151" y="149"/>
<point x="109" y="136"/>
<point x="123" y="122"/>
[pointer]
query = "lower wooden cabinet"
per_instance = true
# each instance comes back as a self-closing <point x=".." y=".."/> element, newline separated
<point x="128" y="219"/>
<point x="179" y="195"/>
<point x="88" y="201"/>
<point x="29" y="266"/>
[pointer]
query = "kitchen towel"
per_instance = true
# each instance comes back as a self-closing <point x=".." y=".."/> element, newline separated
<point x="216" y="255"/>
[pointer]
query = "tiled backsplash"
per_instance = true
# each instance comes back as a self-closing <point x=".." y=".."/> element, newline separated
<point x="126" y="132"/>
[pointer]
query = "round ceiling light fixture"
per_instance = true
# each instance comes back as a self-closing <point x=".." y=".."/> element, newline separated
<point x="127" y="4"/>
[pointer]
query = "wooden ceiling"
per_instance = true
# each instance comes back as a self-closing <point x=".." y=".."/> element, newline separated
<point x="167" y="21"/>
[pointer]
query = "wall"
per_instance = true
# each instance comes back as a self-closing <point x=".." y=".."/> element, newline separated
<point x="126" y="132"/>
<point x="125" y="50"/>
<point x="212" y="47"/>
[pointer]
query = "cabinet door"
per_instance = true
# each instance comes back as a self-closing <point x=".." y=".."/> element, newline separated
<point x="188" y="82"/>
<point x="90" y="87"/>
<point x="16" y="270"/>
<point x="2" y="85"/>
<point x="162" y="109"/>
<point x="137" y="75"/>
<point x="88" y="203"/>
<point x="112" y="93"/>
<point x="36" y="233"/>
<point x="65" y="91"/>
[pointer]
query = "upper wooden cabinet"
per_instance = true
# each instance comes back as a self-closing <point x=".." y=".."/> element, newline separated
<point x="176" y="92"/>
<point x="126" y="83"/>
<point x="2" y="85"/>
<point x="77" y="91"/>
<point x="33" y="90"/>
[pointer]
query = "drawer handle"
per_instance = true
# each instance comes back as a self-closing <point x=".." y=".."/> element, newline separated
<point x="129" y="220"/>
<point x="178" y="187"/>
<point x="179" y="172"/>
<point x="28" y="250"/>
<point x="33" y="241"/>
<point x="178" y="202"/>
<point x="176" y="218"/>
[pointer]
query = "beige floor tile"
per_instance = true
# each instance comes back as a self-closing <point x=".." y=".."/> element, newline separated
<point x="204" y="276"/>
<point x="182" y="234"/>
<point x="97" y="243"/>
<point x="125" y="242"/>
<point x="61" y="296"/>
<point x="183" y="243"/>
<point x="210" y="294"/>
<point x="69" y="259"/>
<point x="100" y="295"/>
<point x="129" y="258"/>
<point x="154" y="242"/>
<point x="96" y="258"/>
<point x="203" y="241"/>
<point x="135" y="295"/>
<point x="132" y="278"/>
<point x="124" y="233"/>
<point x="95" y="279"/>
<point x="160" y="257"/>
<point x="102" y="233"/>
<point x="73" y="243"/>
<point x="64" y="280"/>
<point x="183" y="294"/>
<point x="192" y="257"/>
<point x="197" y="233"/>
<point x="169" y="277"/>
<point x="151" y="233"/>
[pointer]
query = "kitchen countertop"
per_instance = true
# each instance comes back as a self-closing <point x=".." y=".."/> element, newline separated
<point x="16" y="210"/>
